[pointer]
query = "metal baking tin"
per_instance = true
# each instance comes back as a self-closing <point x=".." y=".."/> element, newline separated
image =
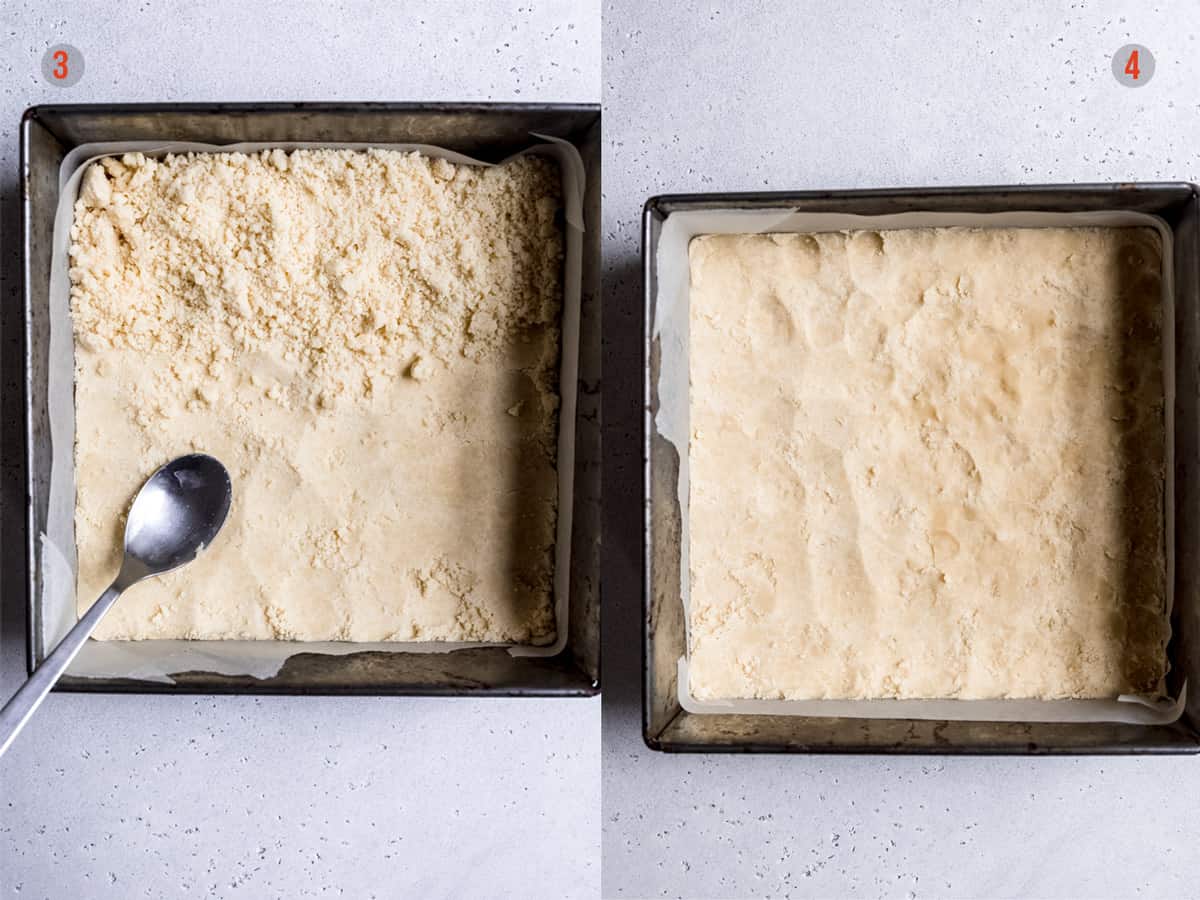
<point x="667" y="726"/>
<point x="485" y="131"/>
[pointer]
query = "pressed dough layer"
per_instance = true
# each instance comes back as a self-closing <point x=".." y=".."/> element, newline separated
<point x="369" y="341"/>
<point x="926" y="463"/>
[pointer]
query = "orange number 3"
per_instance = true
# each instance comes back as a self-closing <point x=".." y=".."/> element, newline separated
<point x="60" y="71"/>
<point x="1131" y="67"/>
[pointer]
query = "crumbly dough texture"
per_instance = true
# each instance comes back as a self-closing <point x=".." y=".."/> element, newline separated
<point x="927" y="463"/>
<point x="369" y="341"/>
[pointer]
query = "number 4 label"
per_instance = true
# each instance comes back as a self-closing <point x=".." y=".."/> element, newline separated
<point x="1133" y="65"/>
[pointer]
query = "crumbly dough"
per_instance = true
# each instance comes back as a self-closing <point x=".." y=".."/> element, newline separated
<point x="349" y="332"/>
<point x="927" y="464"/>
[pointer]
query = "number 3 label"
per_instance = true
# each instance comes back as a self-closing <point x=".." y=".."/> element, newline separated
<point x="1133" y="65"/>
<point x="62" y="65"/>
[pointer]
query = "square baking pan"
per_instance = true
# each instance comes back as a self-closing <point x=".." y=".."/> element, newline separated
<point x="667" y="726"/>
<point x="489" y="132"/>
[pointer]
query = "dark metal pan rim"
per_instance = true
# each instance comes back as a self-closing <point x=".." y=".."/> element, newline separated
<point x="666" y="727"/>
<point x="565" y="675"/>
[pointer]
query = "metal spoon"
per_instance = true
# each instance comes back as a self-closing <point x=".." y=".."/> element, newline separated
<point x="175" y="515"/>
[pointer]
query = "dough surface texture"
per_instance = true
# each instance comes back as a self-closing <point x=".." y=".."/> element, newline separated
<point x="927" y="463"/>
<point x="369" y="341"/>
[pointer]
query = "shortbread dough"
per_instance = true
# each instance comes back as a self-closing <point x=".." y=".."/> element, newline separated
<point x="369" y="341"/>
<point x="927" y="464"/>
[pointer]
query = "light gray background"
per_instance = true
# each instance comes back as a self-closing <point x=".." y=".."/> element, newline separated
<point x="121" y="797"/>
<point x="725" y="96"/>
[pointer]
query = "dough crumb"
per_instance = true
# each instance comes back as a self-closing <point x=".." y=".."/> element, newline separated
<point x="95" y="192"/>
<point x="421" y="369"/>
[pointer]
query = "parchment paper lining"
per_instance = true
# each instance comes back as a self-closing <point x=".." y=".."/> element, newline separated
<point x="155" y="660"/>
<point x="671" y="328"/>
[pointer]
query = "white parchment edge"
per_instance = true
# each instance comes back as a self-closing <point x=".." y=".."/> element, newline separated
<point x="671" y="328"/>
<point x="156" y="660"/>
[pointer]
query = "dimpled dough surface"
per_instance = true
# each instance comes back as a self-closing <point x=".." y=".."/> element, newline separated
<point x="369" y="342"/>
<point x="926" y="463"/>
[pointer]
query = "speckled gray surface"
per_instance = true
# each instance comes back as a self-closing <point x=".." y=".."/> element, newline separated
<point x="119" y="797"/>
<point x="825" y="94"/>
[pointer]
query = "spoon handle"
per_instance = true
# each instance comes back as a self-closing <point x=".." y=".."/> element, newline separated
<point x="31" y="694"/>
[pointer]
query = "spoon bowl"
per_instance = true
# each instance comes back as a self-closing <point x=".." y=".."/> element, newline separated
<point x="176" y="514"/>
